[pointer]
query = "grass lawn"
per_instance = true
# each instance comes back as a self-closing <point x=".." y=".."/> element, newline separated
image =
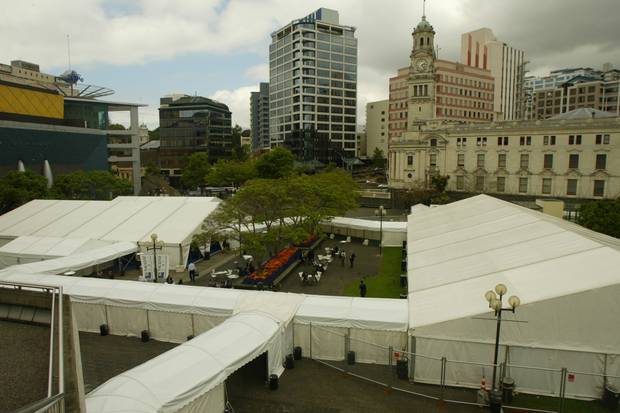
<point x="387" y="283"/>
<point x="550" y="403"/>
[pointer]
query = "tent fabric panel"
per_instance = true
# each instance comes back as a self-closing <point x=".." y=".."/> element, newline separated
<point x="127" y="321"/>
<point x="372" y="346"/>
<point x="24" y="212"/>
<point x="212" y="401"/>
<point x="203" y="323"/>
<point x="427" y="362"/>
<point x="117" y="214"/>
<point x="495" y="260"/>
<point x="43" y="218"/>
<point x="64" y="226"/>
<point x="141" y="226"/>
<point x="184" y="222"/>
<point x="548" y="382"/>
<point x="89" y="317"/>
<point x="170" y="327"/>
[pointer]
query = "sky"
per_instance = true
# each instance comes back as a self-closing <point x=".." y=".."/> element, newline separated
<point x="145" y="49"/>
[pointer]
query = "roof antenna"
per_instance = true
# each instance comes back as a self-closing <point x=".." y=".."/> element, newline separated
<point x="423" y="9"/>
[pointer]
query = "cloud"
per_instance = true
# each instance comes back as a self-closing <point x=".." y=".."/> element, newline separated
<point x="554" y="34"/>
<point x="258" y="72"/>
<point x="238" y="101"/>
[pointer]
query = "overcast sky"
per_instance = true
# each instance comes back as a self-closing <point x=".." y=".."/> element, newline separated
<point x="145" y="49"/>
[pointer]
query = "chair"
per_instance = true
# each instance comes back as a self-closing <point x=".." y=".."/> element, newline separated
<point x="332" y="236"/>
<point x="348" y="239"/>
<point x="365" y="243"/>
<point x="318" y="276"/>
<point x="301" y="276"/>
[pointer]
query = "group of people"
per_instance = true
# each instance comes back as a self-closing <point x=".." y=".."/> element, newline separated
<point x="343" y="256"/>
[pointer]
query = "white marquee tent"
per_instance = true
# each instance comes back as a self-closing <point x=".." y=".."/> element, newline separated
<point x="566" y="276"/>
<point x="133" y="219"/>
<point x="373" y="324"/>
<point x="27" y="249"/>
<point x="190" y="378"/>
<point x="394" y="232"/>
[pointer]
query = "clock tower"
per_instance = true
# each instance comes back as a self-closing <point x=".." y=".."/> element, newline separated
<point x="421" y="105"/>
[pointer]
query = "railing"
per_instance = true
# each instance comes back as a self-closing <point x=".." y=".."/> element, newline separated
<point x="54" y="402"/>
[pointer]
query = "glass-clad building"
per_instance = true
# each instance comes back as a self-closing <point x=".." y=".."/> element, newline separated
<point x="313" y="87"/>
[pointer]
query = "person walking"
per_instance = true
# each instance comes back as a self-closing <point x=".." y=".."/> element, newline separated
<point x="343" y="257"/>
<point x="362" y="288"/>
<point x="352" y="258"/>
<point x="192" y="271"/>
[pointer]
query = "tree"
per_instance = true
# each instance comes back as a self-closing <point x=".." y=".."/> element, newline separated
<point x="17" y="188"/>
<point x="152" y="170"/>
<point x="116" y="126"/>
<point x="154" y="134"/>
<point x="268" y="214"/>
<point x="601" y="216"/>
<point x="91" y="185"/>
<point x="231" y="173"/>
<point x="277" y="163"/>
<point x="378" y="159"/>
<point x="439" y="183"/>
<point x="196" y="169"/>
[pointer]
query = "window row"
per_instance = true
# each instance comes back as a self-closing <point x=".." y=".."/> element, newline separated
<point x="548" y="140"/>
<point x="598" y="187"/>
<point x="524" y="161"/>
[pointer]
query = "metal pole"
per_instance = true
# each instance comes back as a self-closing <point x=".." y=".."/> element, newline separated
<point x="442" y="378"/>
<point x="499" y="323"/>
<point x="391" y="366"/>
<point x="154" y="262"/>
<point x="310" y="341"/>
<point x="51" y="364"/>
<point x="563" y="388"/>
<point x="61" y="371"/>
<point x="381" y="231"/>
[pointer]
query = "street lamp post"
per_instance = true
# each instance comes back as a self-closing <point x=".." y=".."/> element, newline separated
<point x="495" y="300"/>
<point x="157" y="245"/>
<point x="381" y="213"/>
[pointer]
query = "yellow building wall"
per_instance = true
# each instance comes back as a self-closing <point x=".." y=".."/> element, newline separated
<point x="22" y="101"/>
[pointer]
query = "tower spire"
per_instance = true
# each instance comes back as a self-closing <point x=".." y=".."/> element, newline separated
<point x="423" y="9"/>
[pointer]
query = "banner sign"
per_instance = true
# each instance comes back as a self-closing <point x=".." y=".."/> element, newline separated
<point x="163" y="265"/>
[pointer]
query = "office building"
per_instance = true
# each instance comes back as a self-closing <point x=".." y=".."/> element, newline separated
<point x="575" y="155"/>
<point x="431" y="88"/>
<point x="568" y="89"/>
<point x="189" y="124"/>
<point x="259" y="117"/>
<point x="58" y="120"/>
<point x="313" y="88"/>
<point x="480" y="48"/>
<point x="377" y="127"/>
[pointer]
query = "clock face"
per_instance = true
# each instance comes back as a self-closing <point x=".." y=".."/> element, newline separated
<point x="422" y="65"/>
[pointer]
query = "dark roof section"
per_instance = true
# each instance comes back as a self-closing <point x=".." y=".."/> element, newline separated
<point x="197" y="100"/>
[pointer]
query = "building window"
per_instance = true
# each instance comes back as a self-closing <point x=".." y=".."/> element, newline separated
<point x="601" y="161"/>
<point x="606" y="139"/>
<point x="599" y="188"/>
<point x="598" y="139"/>
<point x="552" y="140"/>
<point x="480" y="183"/>
<point x="546" y="186"/>
<point x="501" y="184"/>
<point x="464" y="141"/>
<point x="458" y="141"/>
<point x="501" y="160"/>
<point x="433" y="160"/>
<point x="500" y="141"/>
<point x="460" y="159"/>
<point x="573" y="161"/>
<point x="525" y="161"/>
<point x="528" y="140"/>
<point x="571" y="187"/>
<point x="433" y="142"/>
<point x="548" y="161"/>
<point x="546" y="140"/>
<point x="523" y="185"/>
<point x="480" y="162"/>
<point x="574" y="139"/>
<point x="460" y="182"/>
<point x="410" y="160"/>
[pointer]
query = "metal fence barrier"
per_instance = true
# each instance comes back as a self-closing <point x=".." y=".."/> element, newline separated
<point x="446" y="380"/>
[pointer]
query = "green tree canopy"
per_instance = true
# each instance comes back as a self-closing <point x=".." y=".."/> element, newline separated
<point x="601" y="216"/>
<point x="268" y="214"/>
<point x="90" y="185"/>
<point x="378" y="158"/>
<point x="17" y="188"/>
<point x="116" y="126"/>
<point x="277" y="163"/>
<point x="196" y="169"/>
<point x="231" y="173"/>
